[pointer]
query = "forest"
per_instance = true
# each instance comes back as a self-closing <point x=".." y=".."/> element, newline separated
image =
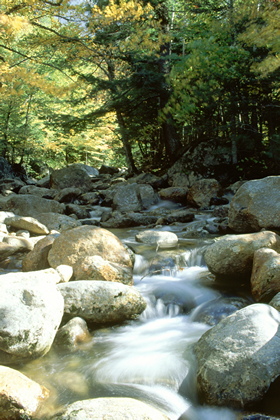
<point x="136" y="84"/>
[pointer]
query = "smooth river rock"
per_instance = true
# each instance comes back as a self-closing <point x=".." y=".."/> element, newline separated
<point x="239" y="358"/>
<point x="111" y="408"/>
<point x="101" y="302"/>
<point x="232" y="255"/>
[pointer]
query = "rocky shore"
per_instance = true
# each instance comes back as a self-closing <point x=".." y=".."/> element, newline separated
<point x="64" y="271"/>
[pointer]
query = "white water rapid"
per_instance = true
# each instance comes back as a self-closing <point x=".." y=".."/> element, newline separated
<point x="149" y="358"/>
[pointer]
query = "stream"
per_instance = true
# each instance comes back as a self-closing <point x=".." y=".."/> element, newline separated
<point x="149" y="358"/>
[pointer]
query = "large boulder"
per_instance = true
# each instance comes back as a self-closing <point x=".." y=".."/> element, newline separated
<point x="256" y="205"/>
<point x="161" y="239"/>
<point x="101" y="302"/>
<point x="71" y="176"/>
<point x="84" y="241"/>
<point x="40" y="191"/>
<point x="20" y="397"/>
<point x="110" y="408"/>
<point x="239" y="358"/>
<point x="134" y="197"/>
<point x="202" y="191"/>
<point x="31" y="309"/>
<point x="265" y="278"/>
<point x="31" y="205"/>
<point x="232" y="255"/>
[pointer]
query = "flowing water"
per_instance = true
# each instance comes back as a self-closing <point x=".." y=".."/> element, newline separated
<point x="149" y="358"/>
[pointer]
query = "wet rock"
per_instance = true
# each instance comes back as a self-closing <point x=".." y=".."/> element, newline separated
<point x="176" y="216"/>
<point x="80" y="211"/>
<point x="7" y="250"/>
<point x="214" y="311"/>
<point x="265" y="278"/>
<point x="203" y="191"/>
<point x="116" y="408"/>
<point x="31" y="310"/>
<point x="80" y="242"/>
<point x="239" y="358"/>
<point x="96" y="268"/>
<point x="58" y="222"/>
<point x="256" y="205"/>
<point x="27" y="223"/>
<point x="20" y="397"/>
<point x="231" y="256"/>
<point x="101" y="302"/>
<point x="31" y="205"/>
<point x="72" y="334"/>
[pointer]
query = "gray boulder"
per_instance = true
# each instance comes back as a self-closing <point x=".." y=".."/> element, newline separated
<point x="231" y="256"/>
<point x="71" y="176"/>
<point x="101" y="302"/>
<point x="72" y="334"/>
<point x="31" y="205"/>
<point x="239" y="358"/>
<point x="20" y="397"/>
<point x="256" y="205"/>
<point x="58" y="222"/>
<point x="265" y="278"/>
<point x="134" y="197"/>
<point x="175" y="194"/>
<point x="111" y="408"/>
<point x="31" y="310"/>
<point x="39" y="191"/>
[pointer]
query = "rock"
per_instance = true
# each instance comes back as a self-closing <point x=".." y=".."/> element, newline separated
<point x="58" y="222"/>
<point x="37" y="259"/>
<point x="40" y="191"/>
<point x="4" y="215"/>
<point x="275" y="302"/>
<point x="176" y="194"/>
<point x="117" y="219"/>
<point x="256" y="205"/>
<point x="265" y="278"/>
<point x="203" y="191"/>
<point x="232" y="255"/>
<point x="105" y="169"/>
<point x="68" y="195"/>
<point x="20" y="397"/>
<point x="79" y="211"/>
<point x="161" y="239"/>
<point x="7" y="250"/>
<point x="80" y="242"/>
<point x="72" y="334"/>
<point x="31" y="205"/>
<point x="92" y="198"/>
<point x="101" y="302"/>
<point x="20" y="243"/>
<point x="71" y="176"/>
<point x="177" y="216"/>
<point x="151" y="179"/>
<point x="96" y="268"/>
<point x="212" y="312"/>
<point x="65" y="272"/>
<point x="115" y="408"/>
<point x="31" y="310"/>
<point x="27" y="223"/>
<point x="134" y="197"/>
<point x="239" y="358"/>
